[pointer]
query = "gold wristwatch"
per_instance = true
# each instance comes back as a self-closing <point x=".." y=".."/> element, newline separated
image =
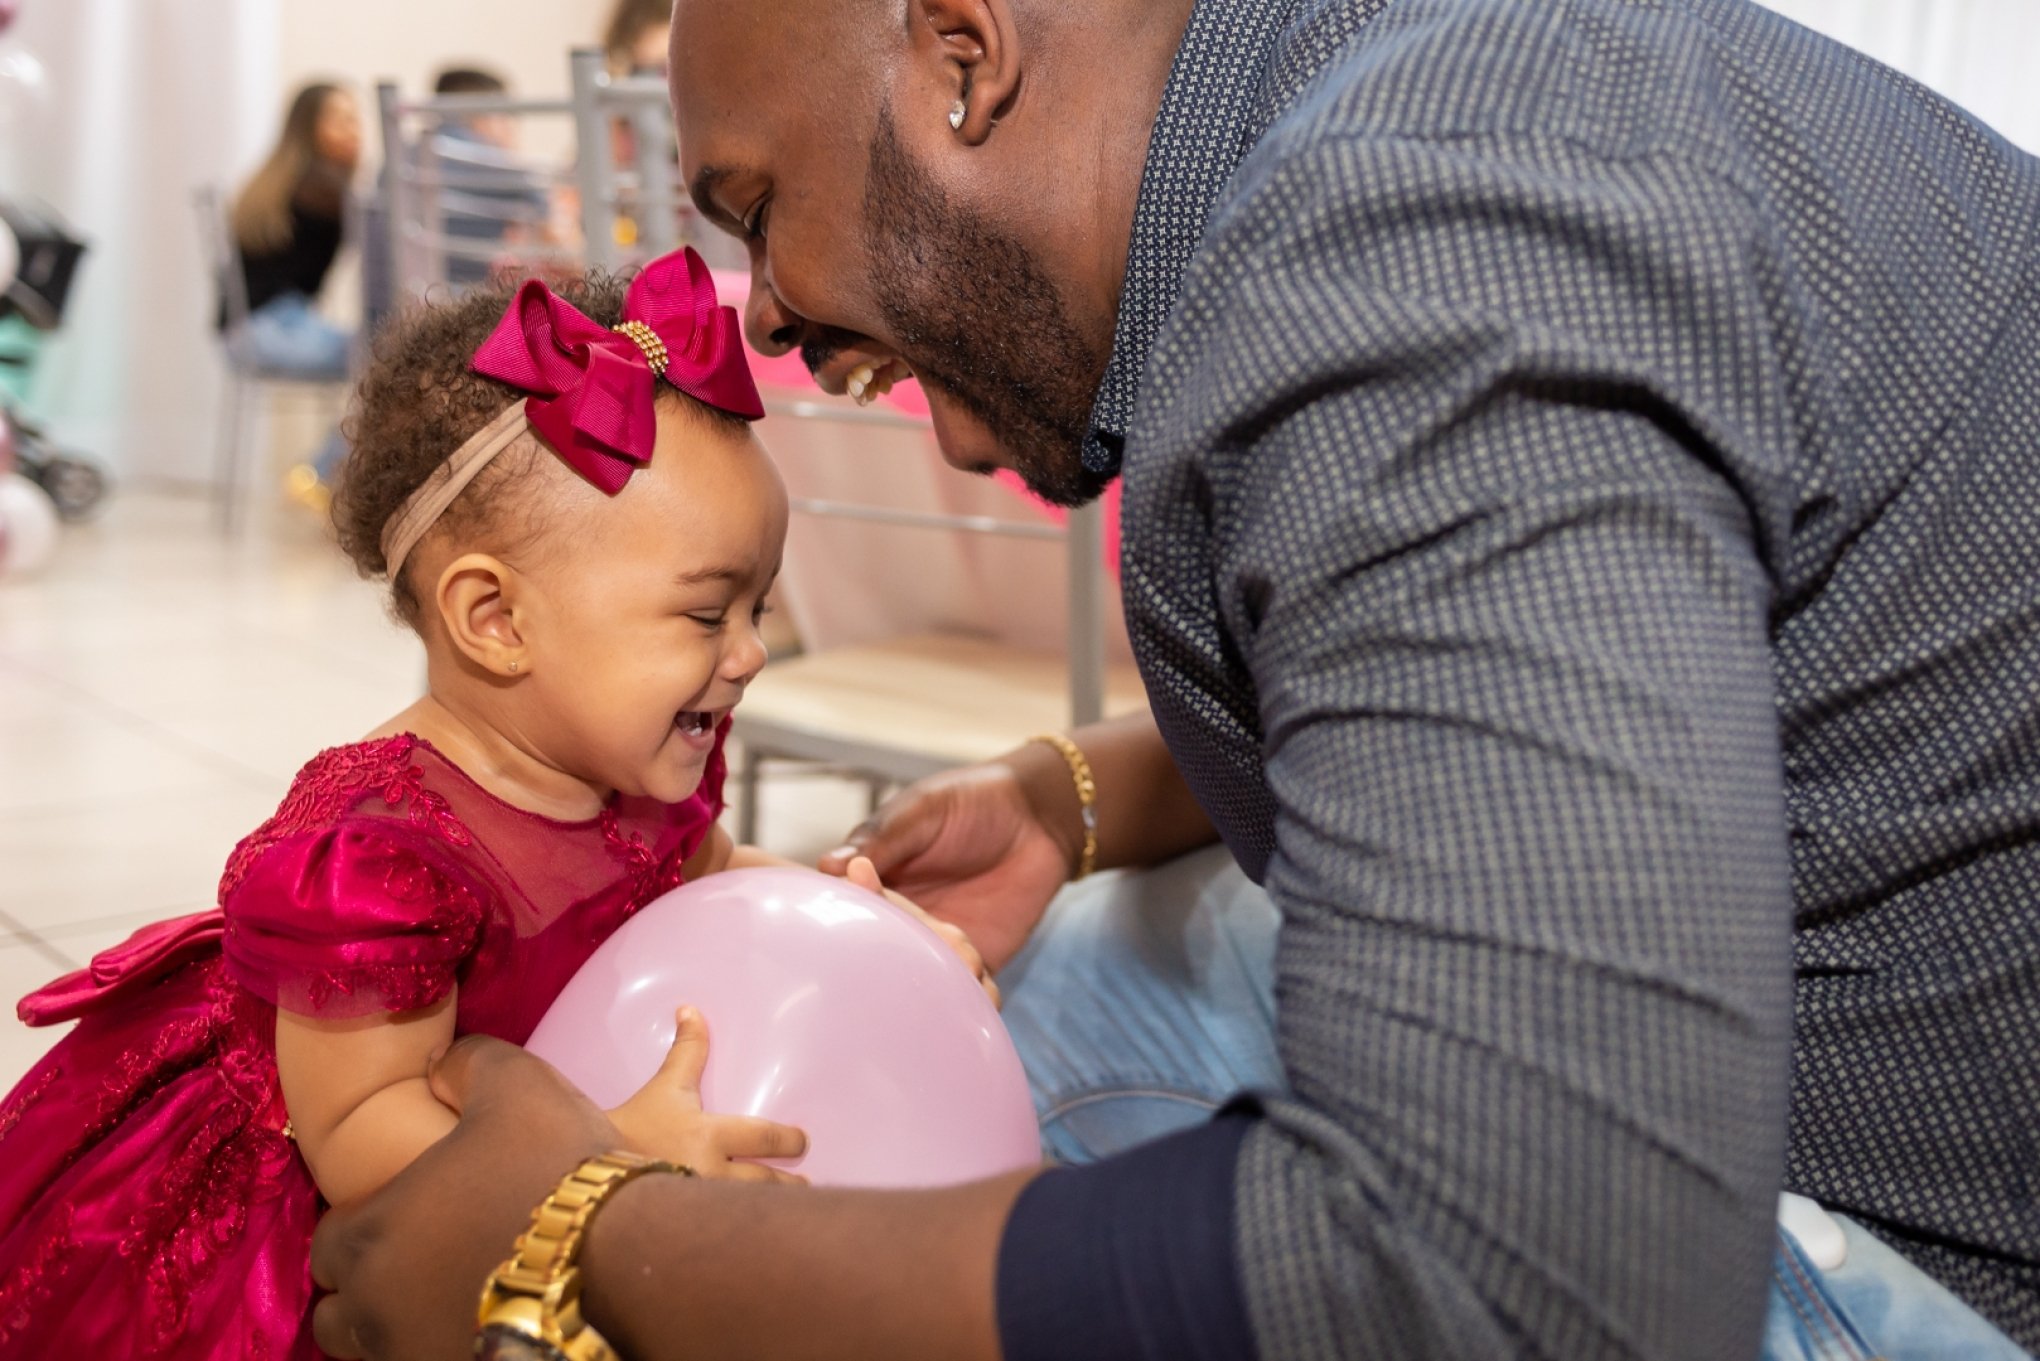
<point x="531" y="1306"/>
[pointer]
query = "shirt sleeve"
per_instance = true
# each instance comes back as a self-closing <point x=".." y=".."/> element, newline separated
<point x="354" y="919"/>
<point x="1130" y="1259"/>
<point x="1487" y="456"/>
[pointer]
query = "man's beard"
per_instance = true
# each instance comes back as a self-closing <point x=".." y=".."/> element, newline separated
<point x="973" y="312"/>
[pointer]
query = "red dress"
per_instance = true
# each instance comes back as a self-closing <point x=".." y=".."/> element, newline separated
<point x="151" y="1204"/>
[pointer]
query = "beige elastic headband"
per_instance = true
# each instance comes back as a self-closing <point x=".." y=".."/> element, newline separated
<point x="422" y="508"/>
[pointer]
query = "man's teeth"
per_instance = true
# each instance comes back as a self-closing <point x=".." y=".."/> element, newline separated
<point x="868" y="382"/>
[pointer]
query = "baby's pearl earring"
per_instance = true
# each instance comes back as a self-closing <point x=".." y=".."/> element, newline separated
<point x="956" y="112"/>
<point x="513" y="668"/>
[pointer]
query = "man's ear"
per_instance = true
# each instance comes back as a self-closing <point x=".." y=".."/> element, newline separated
<point x="978" y="50"/>
<point x="478" y="601"/>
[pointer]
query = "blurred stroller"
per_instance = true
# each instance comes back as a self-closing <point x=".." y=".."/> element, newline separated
<point x="45" y="256"/>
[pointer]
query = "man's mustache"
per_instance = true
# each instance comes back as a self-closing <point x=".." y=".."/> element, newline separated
<point x="824" y="345"/>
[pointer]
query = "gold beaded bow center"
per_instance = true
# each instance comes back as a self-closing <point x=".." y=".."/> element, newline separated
<point x="646" y="339"/>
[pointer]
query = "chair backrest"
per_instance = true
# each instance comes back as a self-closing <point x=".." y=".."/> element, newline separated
<point x="223" y="252"/>
<point x="861" y="478"/>
<point x="449" y="206"/>
<point x="633" y="212"/>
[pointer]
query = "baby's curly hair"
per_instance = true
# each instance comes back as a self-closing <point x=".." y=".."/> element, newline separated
<point x="419" y="401"/>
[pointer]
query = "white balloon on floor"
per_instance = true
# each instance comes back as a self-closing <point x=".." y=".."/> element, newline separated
<point x="28" y="526"/>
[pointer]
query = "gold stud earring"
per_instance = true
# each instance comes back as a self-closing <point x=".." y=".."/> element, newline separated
<point x="956" y="112"/>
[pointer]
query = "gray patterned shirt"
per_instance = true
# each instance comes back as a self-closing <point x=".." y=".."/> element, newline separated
<point x="1582" y="539"/>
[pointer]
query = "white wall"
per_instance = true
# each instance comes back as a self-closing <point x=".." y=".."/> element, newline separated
<point x="142" y="102"/>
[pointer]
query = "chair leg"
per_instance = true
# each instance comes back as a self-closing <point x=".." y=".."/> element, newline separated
<point x="227" y="459"/>
<point x="747" y="797"/>
<point x="874" y="795"/>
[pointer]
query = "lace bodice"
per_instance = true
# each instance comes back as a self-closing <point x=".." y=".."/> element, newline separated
<point x="388" y="875"/>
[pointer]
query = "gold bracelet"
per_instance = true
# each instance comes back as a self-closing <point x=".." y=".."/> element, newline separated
<point x="1087" y="796"/>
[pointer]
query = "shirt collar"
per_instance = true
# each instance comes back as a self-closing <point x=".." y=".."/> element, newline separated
<point x="1203" y="129"/>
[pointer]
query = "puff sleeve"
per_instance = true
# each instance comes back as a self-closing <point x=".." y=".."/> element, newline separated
<point x="354" y="919"/>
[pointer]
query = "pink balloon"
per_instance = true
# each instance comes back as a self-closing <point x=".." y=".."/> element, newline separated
<point x="827" y="1008"/>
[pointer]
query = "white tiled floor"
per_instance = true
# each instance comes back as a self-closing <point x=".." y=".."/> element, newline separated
<point x="159" y="686"/>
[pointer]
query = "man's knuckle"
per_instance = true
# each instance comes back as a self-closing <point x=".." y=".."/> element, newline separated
<point x="329" y="1326"/>
<point x="350" y="1242"/>
<point x="371" y="1335"/>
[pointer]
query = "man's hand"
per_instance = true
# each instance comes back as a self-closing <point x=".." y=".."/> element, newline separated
<point x="676" y="1268"/>
<point x="406" y="1265"/>
<point x="969" y="847"/>
<point x="988" y="845"/>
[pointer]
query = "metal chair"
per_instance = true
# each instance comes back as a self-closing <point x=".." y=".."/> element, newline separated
<point x="889" y="710"/>
<point x="447" y="206"/>
<point x="635" y="212"/>
<point x="249" y="386"/>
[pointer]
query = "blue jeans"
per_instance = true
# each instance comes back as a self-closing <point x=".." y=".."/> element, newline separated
<point x="1875" y="1304"/>
<point x="285" y="338"/>
<point x="1146" y="1000"/>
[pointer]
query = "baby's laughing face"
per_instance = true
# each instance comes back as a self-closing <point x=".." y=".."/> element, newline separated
<point x="644" y="629"/>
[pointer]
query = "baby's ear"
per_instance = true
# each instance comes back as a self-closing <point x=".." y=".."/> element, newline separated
<point x="477" y="601"/>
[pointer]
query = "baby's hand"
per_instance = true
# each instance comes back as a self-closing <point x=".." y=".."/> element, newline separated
<point x="864" y="874"/>
<point x="664" y="1118"/>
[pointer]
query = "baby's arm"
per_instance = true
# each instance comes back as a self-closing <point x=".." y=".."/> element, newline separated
<point x="357" y="1095"/>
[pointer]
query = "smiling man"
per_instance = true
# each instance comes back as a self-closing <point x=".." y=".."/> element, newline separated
<point x="996" y="287"/>
<point x="1578" y="468"/>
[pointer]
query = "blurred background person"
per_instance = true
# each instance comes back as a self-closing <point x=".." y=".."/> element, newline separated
<point x="288" y="222"/>
<point x="492" y="198"/>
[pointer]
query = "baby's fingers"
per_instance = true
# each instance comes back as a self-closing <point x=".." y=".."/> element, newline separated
<point x="688" y="1056"/>
<point x="864" y="874"/>
<point x="955" y="938"/>
<point x="750" y="1136"/>
<point x="758" y="1172"/>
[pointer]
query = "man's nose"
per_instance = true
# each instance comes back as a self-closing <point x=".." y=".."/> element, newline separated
<point x="770" y="325"/>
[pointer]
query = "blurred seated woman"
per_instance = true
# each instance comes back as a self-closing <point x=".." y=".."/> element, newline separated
<point x="287" y="225"/>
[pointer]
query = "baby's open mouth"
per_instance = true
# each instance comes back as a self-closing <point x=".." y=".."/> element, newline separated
<point x="695" y="722"/>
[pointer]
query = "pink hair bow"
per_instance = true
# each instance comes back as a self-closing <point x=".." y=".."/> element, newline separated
<point x="591" y="388"/>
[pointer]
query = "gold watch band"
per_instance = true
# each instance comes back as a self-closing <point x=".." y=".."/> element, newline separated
<point x="1087" y="797"/>
<point x="537" y="1292"/>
